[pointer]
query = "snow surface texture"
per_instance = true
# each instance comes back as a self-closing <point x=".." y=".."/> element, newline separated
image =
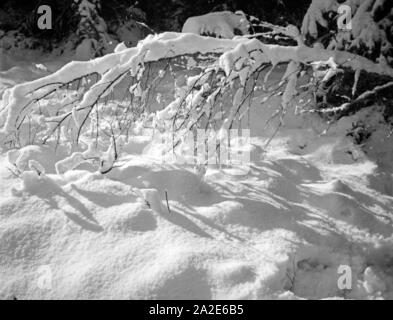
<point x="279" y="232"/>
<point x="310" y="202"/>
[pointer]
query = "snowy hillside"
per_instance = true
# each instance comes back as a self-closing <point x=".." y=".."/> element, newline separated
<point x="90" y="208"/>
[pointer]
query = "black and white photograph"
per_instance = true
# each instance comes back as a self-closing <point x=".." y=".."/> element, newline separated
<point x="196" y="150"/>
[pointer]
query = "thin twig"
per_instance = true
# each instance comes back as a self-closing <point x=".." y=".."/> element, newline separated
<point x="167" y="202"/>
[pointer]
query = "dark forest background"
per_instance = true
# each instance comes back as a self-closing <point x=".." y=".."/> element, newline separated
<point x="160" y="15"/>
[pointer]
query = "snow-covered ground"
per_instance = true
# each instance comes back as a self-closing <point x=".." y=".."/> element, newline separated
<point x="310" y="203"/>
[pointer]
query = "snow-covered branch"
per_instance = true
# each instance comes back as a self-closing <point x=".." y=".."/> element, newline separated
<point x="91" y="109"/>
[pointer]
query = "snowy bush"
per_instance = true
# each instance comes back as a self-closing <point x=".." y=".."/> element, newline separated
<point x="369" y="36"/>
<point x="92" y="31"/>
<point x="96" y="37"/>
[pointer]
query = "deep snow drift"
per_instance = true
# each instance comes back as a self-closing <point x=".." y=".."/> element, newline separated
<point x="311" y="202"/>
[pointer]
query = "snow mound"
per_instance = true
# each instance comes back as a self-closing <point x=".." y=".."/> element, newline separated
<point x="148" y="230"/>
<point x="223" y="24"/>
